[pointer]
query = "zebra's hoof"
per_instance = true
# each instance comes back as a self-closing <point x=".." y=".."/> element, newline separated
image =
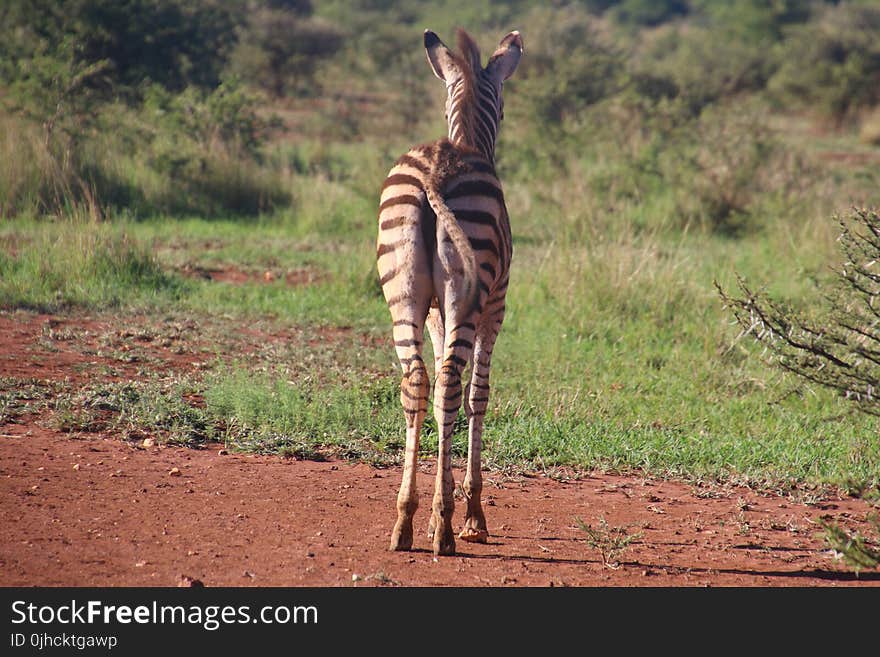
<point x="401" y="540"/>
<point x="444" y="542"/>
<point x="472" y="535"/>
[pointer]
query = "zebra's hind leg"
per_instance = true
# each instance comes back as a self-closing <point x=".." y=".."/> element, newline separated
<point x="447" y="402"/>
<point x="414" y="397"/>
<point x="437" y="332"/>
<point x="475" y="404"/>
<point x="409" y="321"/>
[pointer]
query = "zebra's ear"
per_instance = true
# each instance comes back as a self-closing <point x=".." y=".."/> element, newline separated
<point x="440" y="58"/>
<point x="504" y="60"/>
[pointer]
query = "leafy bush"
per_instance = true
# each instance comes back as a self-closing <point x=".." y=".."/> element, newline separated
<point x="721" y="164"/>
<point x="702" y="65"/>
<point x="756" y="22"/>
<point x="169" y="42"/>
<point x="281" y="46"/>
<point x="648" y="12"/>
<point x="569" y="67"/>
<point x="833" y="63"/>
<point x="80" y="69"/>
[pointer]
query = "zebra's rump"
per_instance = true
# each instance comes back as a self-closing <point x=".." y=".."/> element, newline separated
<point x="471" y="190"/>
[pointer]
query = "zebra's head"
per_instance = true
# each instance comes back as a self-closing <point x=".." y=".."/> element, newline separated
<point x="474" y="106"/>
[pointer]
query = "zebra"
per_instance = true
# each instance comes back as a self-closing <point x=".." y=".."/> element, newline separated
<point x="443" y="257"/>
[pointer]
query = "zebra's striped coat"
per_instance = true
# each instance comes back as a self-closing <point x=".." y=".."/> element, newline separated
<point x="443" y="251"/>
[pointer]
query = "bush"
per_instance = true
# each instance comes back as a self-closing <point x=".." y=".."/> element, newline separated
<point x="869" y="131"/>
<point x="720" y="165"/>
<point x="173" y="43"/>
<point x="647" y="13"/>
<point x="833" y="63"/>
<point x="840" y="349"/>
<point x="281" y="46"/>
<point x="757" y="22"/>
<point x="569" y="67"/>
<point x="196" y="153"/>
<point x="84" y="69"/>
<point x="703" y="65"/>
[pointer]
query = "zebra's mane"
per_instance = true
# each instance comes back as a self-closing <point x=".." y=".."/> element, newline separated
<point x="468" y="60"/>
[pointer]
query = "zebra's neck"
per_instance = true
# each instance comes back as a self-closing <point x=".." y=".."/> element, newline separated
<point x="473" y="116"/>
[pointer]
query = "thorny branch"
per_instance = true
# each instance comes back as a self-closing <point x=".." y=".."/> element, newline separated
<point x="835" y="350"/>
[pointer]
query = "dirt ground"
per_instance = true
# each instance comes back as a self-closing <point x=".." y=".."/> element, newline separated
<point x="91" y="509"/>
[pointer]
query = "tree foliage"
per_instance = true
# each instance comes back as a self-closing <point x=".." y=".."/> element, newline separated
<point x="281" y="45"/>
<point x="168" y="42"/>
<point x="61" y="59"/>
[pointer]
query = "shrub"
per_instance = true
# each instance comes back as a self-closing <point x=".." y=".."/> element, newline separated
<point x="839" y="349"/>
<point x="569" y="67"/>
<point x="640" y="13"/>
<point x="174" y="43"/>
<point x="869" y="131"/>
<point x="281" y="46"/>
<point x="719" y="165"/>
<point x="833" y="63"/>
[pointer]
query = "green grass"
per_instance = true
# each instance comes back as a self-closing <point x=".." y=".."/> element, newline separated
<point x="78" y="264"/>
<point x="54" y="265"/>
<point x="271" y="414"/>
<point x="615" y="354"/>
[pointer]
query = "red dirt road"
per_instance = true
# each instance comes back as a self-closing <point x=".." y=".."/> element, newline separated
<point x="94" y="510"/>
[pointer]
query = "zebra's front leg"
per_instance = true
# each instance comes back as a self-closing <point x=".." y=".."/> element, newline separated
<point x="414" y="398"/>
<point x="476" y="401"/>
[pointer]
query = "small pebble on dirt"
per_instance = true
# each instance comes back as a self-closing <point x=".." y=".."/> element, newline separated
<point x="76" y="466"/>
<point x="222" y="452"/>
<point x="174" y="472"/>
<point x="148" y="442"/>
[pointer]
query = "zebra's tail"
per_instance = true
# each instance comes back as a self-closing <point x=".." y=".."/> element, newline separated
<point x="448" y="226"/>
